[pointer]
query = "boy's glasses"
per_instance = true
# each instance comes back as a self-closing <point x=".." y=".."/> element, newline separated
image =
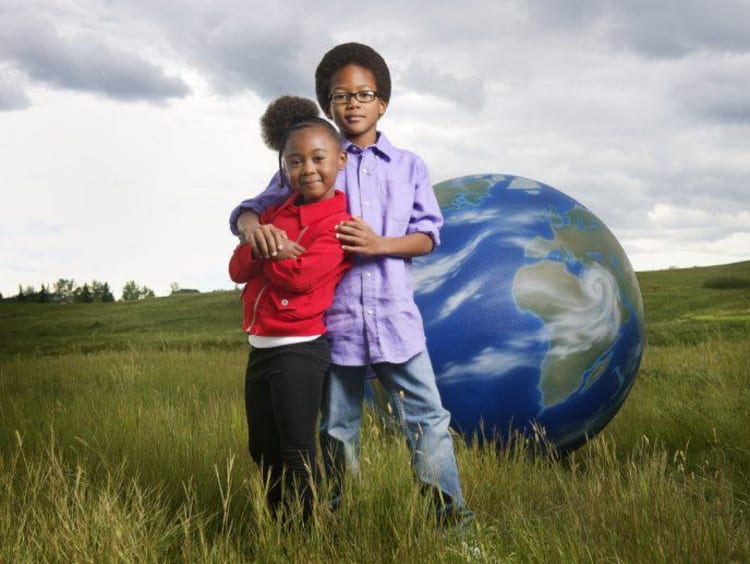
<point x="363" y="96"/>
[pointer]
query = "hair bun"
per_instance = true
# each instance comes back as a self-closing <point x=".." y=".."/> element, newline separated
<point x="282" y="114"/>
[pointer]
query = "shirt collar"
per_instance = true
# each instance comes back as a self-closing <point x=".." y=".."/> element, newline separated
<point x="381" y="147"/>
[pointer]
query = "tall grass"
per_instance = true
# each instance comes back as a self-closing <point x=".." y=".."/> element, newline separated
<point x="139" y="456"/>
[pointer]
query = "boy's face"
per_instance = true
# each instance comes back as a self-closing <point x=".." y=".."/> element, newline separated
<point x="312" y="160"/>
<point x="356" y="120"/>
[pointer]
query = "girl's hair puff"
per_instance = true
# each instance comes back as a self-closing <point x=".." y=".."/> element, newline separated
<point x="281" y="115"/>
<point x="287" y="114"/>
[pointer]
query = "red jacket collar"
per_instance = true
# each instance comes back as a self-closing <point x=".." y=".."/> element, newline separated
<point x="310" y="213"/>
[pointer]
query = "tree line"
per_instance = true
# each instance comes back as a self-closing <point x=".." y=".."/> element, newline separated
<point x="67" y="291"/>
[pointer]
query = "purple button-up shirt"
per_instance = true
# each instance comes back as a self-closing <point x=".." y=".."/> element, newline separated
<point x="374" y="317"/>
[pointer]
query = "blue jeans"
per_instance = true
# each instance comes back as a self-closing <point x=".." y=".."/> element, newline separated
<point x="416" y="403"/>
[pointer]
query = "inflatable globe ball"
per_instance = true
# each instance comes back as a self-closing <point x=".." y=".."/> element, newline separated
<point x="533" y="314"/>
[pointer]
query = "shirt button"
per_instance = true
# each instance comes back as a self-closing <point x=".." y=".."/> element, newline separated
<point x="367" y="203"/>
<point x="284" y="302"/>
<point x="368" y="274"/>
<point x="364" y="171"/>
<point x="370" y="311"/>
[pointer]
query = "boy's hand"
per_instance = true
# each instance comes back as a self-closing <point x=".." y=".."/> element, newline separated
<point x="267" y="241"/>
<point x="356" y="236"/>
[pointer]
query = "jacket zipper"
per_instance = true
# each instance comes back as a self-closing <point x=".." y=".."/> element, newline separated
<point x="255" y="307"/>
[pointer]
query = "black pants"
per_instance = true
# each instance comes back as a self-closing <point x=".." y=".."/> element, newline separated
<point x="283" y="387"/>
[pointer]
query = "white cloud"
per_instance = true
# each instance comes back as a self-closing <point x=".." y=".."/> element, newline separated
<point x="129" y="129"/>
<point x="131" y="192"/>
<point x="488" y="363"/>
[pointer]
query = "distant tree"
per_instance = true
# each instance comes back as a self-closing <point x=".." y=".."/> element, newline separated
<point x="131" y="292"/>
<point x="106" y="293"/>
<point x="64" y="290"/>
<point x="43" y="296"/>
<point x="101" y="292"/>
<point x="83" y="295"/>
<point x="20" y="297"/>
<point x="174" y="287"/>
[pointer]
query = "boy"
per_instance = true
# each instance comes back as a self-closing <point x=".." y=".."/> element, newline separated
<point x="374" y="321"/>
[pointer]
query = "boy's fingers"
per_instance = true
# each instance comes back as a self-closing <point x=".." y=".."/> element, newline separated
<point x="348" y="230"/>
<point x="346" y="237"/>
<point x="270" y="240"/>
<point x="266" y="241"/>
<point x="259" y="243"/>
<point x="355" y="223"/>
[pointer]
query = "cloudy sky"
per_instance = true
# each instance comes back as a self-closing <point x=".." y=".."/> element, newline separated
<point x="129" y="128"/>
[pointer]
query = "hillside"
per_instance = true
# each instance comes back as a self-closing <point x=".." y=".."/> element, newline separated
<point x="679" y="307"/>
<point x="209" y="320"/>
<point x="686" y="304"/>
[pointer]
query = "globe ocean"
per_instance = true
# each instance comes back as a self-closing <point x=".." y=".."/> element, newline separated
<point x="533" y="314"/>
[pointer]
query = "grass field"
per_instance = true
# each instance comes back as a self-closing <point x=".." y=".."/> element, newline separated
<point x="122" y="438"/>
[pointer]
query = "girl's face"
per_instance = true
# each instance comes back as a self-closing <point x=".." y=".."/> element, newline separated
<point x="312" y="159"/>
<point x="356" y="120"/>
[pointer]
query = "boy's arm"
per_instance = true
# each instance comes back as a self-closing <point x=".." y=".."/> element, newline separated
<point x="321" y="259"/>
<point x="245" y="222"/>
<point x="426" y="217"/>
<point x="273" y="194"/>
<point x="422" y="233"/>
<point x="356" y="236"/>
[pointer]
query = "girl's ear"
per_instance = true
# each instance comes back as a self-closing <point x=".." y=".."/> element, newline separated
<point x="342" y="160"/>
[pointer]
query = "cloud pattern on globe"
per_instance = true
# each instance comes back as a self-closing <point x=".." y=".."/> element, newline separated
<point x="532" y="311"/>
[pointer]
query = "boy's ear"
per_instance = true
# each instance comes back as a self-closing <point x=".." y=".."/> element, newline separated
<point x="382" y="107"/>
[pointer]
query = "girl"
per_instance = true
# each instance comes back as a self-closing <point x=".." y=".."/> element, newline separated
<point x="285" y="299"/>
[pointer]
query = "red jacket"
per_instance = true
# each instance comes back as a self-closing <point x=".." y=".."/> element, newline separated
<point x="289" y="297"/>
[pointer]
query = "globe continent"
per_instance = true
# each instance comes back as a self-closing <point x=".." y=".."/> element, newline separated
<point x="533" y="314"/>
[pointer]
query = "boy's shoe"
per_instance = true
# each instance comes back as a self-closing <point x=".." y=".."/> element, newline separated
<point x="334" y="503"/>
<point x="451" y="517"/>
<point x="460" y="529"/>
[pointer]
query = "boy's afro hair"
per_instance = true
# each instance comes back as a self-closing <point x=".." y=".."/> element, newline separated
<point x="282" y="115"/>
<point x="351" y="54"/>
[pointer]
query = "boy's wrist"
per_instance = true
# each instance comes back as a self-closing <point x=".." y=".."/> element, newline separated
<point x="388" y="245"/>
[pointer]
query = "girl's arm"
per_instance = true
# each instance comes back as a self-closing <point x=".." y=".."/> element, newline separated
<point x="242" y="265"/>
<point x="322" y="259"/>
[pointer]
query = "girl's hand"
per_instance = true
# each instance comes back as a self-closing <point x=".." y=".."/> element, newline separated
<point x="290" y="250"/>
<point x="356" y="236"/>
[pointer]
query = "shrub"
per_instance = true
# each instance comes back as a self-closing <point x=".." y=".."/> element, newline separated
<point x="726" y="283"/>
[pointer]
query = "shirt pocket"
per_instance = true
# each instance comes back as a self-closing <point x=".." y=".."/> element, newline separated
<point x="397" y="207"/>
